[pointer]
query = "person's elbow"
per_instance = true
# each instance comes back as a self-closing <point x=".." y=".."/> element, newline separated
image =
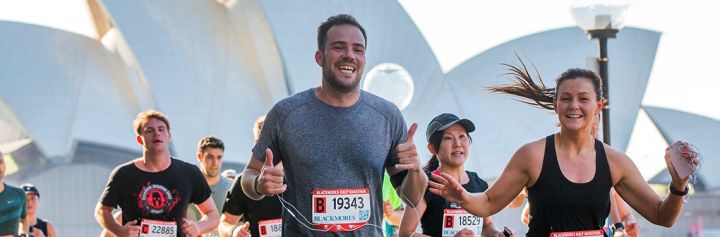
<point x="99" y="212"/>
<point x="665" y="223"/>
<point x="212" y="217"/>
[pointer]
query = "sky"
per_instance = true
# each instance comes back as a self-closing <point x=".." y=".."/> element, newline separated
<point x="457" y="30"/>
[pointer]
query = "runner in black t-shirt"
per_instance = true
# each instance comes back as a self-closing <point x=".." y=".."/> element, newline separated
<point x="266" y="212"/>
<point x="155" y="190"/>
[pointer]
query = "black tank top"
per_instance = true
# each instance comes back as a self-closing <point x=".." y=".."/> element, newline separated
<point x="432" y="219"/>
<point x="558" y="205"/>
<point x="40" y="225"/>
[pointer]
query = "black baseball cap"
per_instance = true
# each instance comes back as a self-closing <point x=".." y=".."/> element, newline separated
<point x="30" y="189"/>
<point x="446" y="120"/>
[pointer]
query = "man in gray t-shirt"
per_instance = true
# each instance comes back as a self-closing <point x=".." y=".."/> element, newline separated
<point x="334" y="142"/>
<point x="211" y="151"/>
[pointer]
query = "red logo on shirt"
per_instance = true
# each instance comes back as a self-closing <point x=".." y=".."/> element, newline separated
<point x="157" y="199"/>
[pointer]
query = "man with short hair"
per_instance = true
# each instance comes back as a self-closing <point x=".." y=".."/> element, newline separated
<point x="210" y="155"/>
<point x="13" y="212"/>
<point x="38" y="227"/>
<point x="334" y="141"/>
<point x="154" y="191"/>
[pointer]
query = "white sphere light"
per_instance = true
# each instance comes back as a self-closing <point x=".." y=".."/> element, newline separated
<point x="392" y="82"/>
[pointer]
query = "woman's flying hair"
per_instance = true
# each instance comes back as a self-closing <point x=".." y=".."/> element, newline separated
<point x="536" y="93"/>
<point x="525" y="87"/>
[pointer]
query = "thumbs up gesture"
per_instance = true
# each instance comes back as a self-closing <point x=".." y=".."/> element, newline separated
<point x="407" y="153"/>
<point x="270" y="180"/>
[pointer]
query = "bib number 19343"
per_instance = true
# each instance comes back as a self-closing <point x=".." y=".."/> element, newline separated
<point x="339" y="210"/>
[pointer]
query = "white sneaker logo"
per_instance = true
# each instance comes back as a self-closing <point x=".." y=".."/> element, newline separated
<point x="10" y="202"/>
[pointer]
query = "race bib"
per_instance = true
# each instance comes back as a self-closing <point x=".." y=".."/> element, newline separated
<point x="584" y="233"/>
<point x="340" y="210"/>
<point x="155" y="228"/>
<point x="454" y="220"/>
<point x="270" y="228"/>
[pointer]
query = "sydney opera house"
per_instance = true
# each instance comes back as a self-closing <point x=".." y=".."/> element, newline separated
<point x="67" y="101"/>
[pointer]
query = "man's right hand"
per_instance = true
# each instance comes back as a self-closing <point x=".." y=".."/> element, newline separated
<point x="130" y="230"/>
<point x="270" y="179"/>
<point x="242" y="231"/>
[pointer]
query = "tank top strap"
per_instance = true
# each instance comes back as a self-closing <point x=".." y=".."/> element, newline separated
<point x="550" y="168"/>
<point x="602" y="165"/>
<point x="41" y="225"/>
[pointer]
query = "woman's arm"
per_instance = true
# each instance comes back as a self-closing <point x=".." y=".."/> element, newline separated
<point x="512" y="180"/>
<point x="635" y="191"/>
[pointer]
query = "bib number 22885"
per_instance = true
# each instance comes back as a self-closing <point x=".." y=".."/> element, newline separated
<point x="155" y="228"/>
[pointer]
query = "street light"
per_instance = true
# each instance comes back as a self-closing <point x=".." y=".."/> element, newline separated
<point x="601" y="20"/>
<point x="392" y="82"/>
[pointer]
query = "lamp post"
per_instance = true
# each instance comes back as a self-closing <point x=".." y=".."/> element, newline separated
<point x="601" y="20"/>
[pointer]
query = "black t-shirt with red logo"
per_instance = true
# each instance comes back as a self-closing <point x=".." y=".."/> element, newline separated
<point x="162" y="196"/>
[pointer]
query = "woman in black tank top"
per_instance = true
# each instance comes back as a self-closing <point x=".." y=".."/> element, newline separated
<point x="449" y="142"/>
<point x="38" y="227"/>
<point x="569" y="174"/>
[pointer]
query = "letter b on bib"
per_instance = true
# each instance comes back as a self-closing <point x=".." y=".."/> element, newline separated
<point x="320" y="205"/>
<point x="449" y="221"/>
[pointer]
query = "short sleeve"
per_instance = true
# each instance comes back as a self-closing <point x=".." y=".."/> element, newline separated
<point x="110" y="196"/>
<point x="201" y="191"/>
<point x="235" y="199"/>
<point x="398" y="132"/>
<point x="23" y="197"/>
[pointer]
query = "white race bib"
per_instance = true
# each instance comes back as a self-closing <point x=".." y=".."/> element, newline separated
<point x="454" y="220"/>
<point x="270" y="228"/>
<point x="582" y="233"/>
<point x="155" y="228"/>
<point x="340" y="210"/>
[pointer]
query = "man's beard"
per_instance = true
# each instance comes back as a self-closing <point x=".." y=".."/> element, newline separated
<point x="336" y="84"/>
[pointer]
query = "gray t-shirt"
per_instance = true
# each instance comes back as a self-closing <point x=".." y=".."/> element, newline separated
<point x="325" y="147"/>
<point x="219" y="191"/>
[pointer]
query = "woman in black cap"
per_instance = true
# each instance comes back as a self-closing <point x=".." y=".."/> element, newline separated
<point x="449" y="142"/>
<point x="38" y="227"/>
<point x="568" y="174"/>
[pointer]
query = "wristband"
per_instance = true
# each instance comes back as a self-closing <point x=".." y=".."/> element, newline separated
<point x="617" y="226"/>
<point x="677" y="192"/>
<point x="255" y="186"/>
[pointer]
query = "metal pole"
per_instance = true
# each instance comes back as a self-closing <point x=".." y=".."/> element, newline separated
<point x="602" y="36"/>
<point x="603" y="66"/>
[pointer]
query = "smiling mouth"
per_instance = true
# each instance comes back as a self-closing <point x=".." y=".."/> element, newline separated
<point x="346" y="69"/>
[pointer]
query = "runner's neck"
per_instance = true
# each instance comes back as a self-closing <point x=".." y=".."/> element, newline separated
<point x="458" y="173"/>
<point x="335" y="98"/>
<point x="154" y="162"/>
